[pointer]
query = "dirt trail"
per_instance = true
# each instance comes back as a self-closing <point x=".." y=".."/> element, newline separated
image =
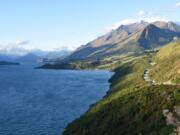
<point x="153" y="82"/>
<point x="172" y="117"/>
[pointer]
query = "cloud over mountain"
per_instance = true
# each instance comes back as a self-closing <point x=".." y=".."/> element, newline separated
<point x="178" y="4"/>
<point x="138" y="17"/>
<point x="149" y="19"/>
<point x="16" y="48"/>
<point x="23" y="42"/>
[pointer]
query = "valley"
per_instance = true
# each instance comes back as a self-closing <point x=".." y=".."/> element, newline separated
<point x="144" y="89"/>
<point x="144" y="93"/>
<point x="90" y="67"/>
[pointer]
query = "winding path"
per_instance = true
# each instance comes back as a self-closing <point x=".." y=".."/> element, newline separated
<point x="153" y="82"/>
<point x="172" y="117"/>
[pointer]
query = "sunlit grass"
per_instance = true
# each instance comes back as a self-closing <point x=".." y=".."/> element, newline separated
<point x="167" y="68"/>
<point x="132" y="106"/>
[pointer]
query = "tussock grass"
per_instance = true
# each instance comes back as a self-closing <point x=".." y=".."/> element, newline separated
<point x="167" y="67"/>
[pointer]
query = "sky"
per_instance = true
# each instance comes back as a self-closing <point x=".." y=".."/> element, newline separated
<point x="53" y="24"/>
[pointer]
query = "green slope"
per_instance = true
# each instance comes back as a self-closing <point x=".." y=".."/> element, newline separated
<point x="108" y="63"/>
<point x="167" y="68"/>
<point x="131" y="107"/>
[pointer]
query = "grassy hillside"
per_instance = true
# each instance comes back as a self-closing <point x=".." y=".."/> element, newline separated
<point x="167" y="68"/>
<point x="131" y="107"/>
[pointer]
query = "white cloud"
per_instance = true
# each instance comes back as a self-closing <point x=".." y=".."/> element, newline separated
<point x="178" y="4"/>
<point x="116" y="25"/>
<point x="130" y="21"/>
<point x="23" y="42"/>
<point x="67" y="48"/>
<point x="16" y="48"/>
<point x="140" y="15"/>
<point x="153" y="19"/>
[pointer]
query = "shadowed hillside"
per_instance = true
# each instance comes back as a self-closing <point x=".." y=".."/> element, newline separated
<point x="133" y="38"/>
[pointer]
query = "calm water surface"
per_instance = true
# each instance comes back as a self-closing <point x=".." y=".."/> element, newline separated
<point x="42" y="102"/>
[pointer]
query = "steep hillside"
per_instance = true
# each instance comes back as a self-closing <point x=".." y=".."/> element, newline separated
<point x="133" y="106"/>
<point x="153" y="37"/>
<point x="167" y="25"/>
<point x="167" y="68"/>
<point x="134" y="38"/>
<point x="108" y="41"/>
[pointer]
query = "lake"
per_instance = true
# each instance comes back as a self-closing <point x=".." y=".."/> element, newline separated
<point x="43" y="102"/>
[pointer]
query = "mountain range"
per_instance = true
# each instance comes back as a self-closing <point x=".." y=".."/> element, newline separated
<point x="34" y="55"/>
<point x="132" y="38"/>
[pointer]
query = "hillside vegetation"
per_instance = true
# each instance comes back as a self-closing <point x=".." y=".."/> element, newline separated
<point x="167" y="68"/>
<point x="132" y="106"/>
<point x="108" y="63"/>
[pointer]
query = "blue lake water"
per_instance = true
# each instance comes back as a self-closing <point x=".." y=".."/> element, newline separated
<point x="43" y="102"/>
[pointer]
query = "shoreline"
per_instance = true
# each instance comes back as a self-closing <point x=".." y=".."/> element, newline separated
<point x="103" y="97"/>
<point x="127" y="94"/>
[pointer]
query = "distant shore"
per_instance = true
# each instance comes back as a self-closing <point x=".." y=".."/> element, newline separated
<point x="8" y="63"/>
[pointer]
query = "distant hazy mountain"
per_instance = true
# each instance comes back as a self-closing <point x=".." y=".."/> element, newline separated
<point x="57" y="54"/>
<point x="177" y="23"/>
<point x="4" y="57"/>
<point x="135" y="38"/>
<point x="38" y="52"/>
<point x="28" y="58"/>
<point x="32" y="56"/>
